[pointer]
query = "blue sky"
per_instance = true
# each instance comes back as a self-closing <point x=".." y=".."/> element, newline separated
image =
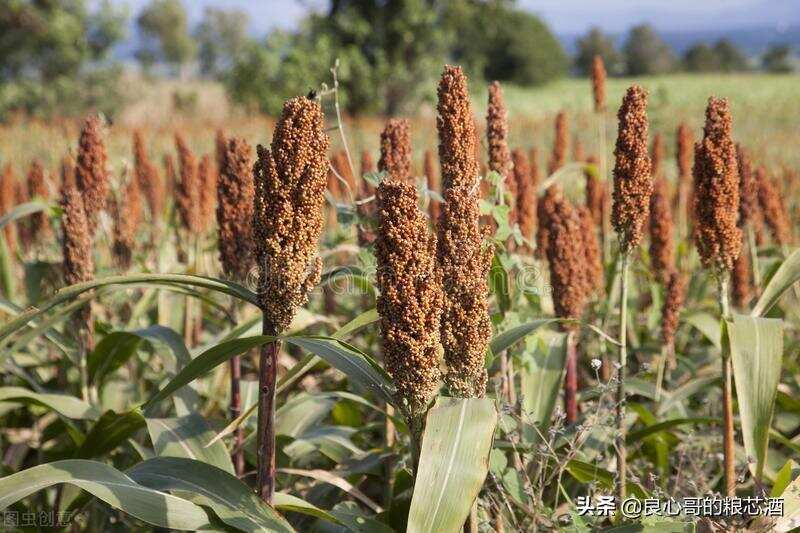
<point x="564" y="16"/>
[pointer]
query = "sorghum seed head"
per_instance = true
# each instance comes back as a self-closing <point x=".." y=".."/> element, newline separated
<point x="561" y="143"/>
<point x="595" y="189"/>
<point x="170" y="177"/>
<point x="342" y="166"/>
<point x="658" y="155"/>
<point x="497" y="133"/>
<point x="566" y="259"/>
<point x="457" y="133"/>
<point x="545" y="207"/>
<point x="684" y="151"/>
<point x="674" y="295"/>
<point x="288" y="210"/>
<point x="748" y="187"/>
<point x="235" y="192"/>
<point x="593" y="257"/>
<point x="599" y="83"/>
<point x="38" y="188"/>
<point x="187" y="188"/>
<point x="632" y="171"/>
<point x="220" y="149"/>
<point x="741" y="280"/>
<point x="432" y="180"/>
<point x="533" y="162"/>
<point x="662" y="246"/>
<point x="578" y="153"/>
<point x="772" y="206"/>
<point x="207" y="180"/>
<point x="410" y="300"/>
<point x="367" y="164"/>
<point x="396" y="149"/>
<point x="526" y="195"/>
<point x="91" y="174"/>
<point x="77" y="243"/>
<point x="127" y="213"/>
<point x="147" y="175"/>
<point x="464" y="261"/>
<point x="716" y="188"/>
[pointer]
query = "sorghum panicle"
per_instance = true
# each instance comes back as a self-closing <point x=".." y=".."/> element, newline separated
<point x="525" y="202"/>
<point x="748" y="188"/>
<point x="593" y="256"/>
<point x="38" y="187"/>
<point x="410" y="300"/>
<point x="544" y="209"/>
<point x="77" y="242"/>
<point x="632" y="171"/>
<point x="776" y="216"/>
<point x="595" y="189"/>
<point x="497" y="133"/>
<point x="235" y="193"/>
<point x="662" y="245"/>
<point x="149" y="181"/>
<point x="674" y="295"/>
<point x="127" y="214"/>
<point x="458" y="146"/>
<point x="432" y="180"/>
<point x="187" y="187"/>
<point x="599" y="83"/>
<point x="207" y="180"/>
<point x="659" y="152"/>
<point x="290" y="180"/>
<point x="566" y="259"/>
<point x="741" y="280"/>
<point x="578" y="153"/>
<point x="716" y="187"/>
<point x="396" y="149"/>
<point x="91" y="174"/>
<point x="560" y="144"/>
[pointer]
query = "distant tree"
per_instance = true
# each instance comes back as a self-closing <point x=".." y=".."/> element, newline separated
<point x="731" y="59"/>
<point x="164" y="25"/>
<point x="778" y="59"/>
<point x="595" y="42"/>
<point x="647" y="53"/>
<point x="221" y="37"/>
<point x="54" y="56"/>
<point x="701" y="58"/>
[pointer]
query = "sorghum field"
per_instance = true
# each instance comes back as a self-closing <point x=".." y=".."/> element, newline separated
<point x="571" y="308"/>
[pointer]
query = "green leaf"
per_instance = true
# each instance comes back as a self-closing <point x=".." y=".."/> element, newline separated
<point x="686" y="391"/>
<point x="111" y="353"/>
<point x="23" y="210"/>
<point x="708" y="325"/>
<point x="286" y="502"/>
<point x="7" y="278"/>
<point x="541" y="373"/>
<point x="188" y="437"/>
<point x="511" y="336"/>
<point x="787" y="275"/>
<point x="791" y="508"/>
<point x="233" y="501"/>
<point x="587" y="472"/>
<point x="109" y="432"/>
<point x="109" y="485"/>
<point x="756" y="346"/>
<point x="453" y="463"/>
<point x="498" y="277"/>
<point x="67" y="406"/>
<point x="640" y="434"/>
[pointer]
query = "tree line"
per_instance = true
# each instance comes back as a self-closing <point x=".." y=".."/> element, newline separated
<point x="59" y="55"/>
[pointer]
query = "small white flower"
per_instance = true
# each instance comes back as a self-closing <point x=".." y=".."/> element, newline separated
<point x="596" y="364"/>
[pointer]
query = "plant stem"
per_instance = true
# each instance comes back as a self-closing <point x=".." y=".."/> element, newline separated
<point x="267" y="374"/>
<point x="571" y="380"/>
<point x="622" y="460"/>
<point x="727" y="395"/>
<point x="751" y="241"/>
<point x="236" y="403"/>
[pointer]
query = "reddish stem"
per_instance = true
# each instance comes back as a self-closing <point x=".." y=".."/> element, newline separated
<point x="267" y="375"/>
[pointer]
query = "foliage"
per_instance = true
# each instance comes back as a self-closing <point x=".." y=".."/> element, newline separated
<point x="724" y="56"/>
<point x="646" y="52"/>
<point x="221" y="38"/>
<point x="164" y="26"/>
<point x="594" y="43"/>
<point x="778" y="59"/>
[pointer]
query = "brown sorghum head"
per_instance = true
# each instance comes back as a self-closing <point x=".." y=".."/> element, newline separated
<point x="662" y="246"/>
<point x="657" y="155"/>
<point x="525" y="202"/>
<point x="432" y="180"/>
<point x="632" y="172"/>
<point x="773" y="208"/>
<point x="674" y="295"/>
<point x="187" y="187"/>
<point x="410" y="300"/>
<point x="126" y="213"/>
<point x="457" y="135"/>
<point x="396" y="149"/>
<point x="748" y="187"/>
<point x="560" y="144"/>
<point x="39" y="223"/>
<point x="685" y="144"/>
<point x="220" y="149"/>
<point x="367" y="163"/>
<point x="77" y="243"/>
<point x="170" y="177"/>
<point x="578" y="153"/>
<point x="91" y="173"/>
<point x="716" y="188"/>
<point x="342" y="166"/>
<point x="464" y="261"/>
<point x="544" y="209"/>
<point x="599" y="83"/>
<point x="149" y="181"/>
<point x="207" y="181"/>
<point x="8" y="198"/>
<point x="533" y="162"/>
<point x="566" y="259"/>
<point x="595" y="189"/>
<point x="288" y="210"/>
<point x="497" y="133"/>
<point x="593" y="257"/>
<point x="235" y="192"/>
<point x="741" y="280"/>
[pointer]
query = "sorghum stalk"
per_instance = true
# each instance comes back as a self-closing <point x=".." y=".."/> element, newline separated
<point x="462" y="256"/>
<point x="632" y="190"/>
<point x="290" y="180"/>
<point x="235" y="193"/>
<point x="718" y="237"/>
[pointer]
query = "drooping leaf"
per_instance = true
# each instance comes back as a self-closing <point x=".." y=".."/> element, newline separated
<point x="67" y="406"/>
<point x="541" y="373"/>
<point x="787" y="275"/>
<point x="108" y="432"/>
<point x="187" y="436"/>
<point x="756" y="346"/>
<point x="110" y="485"/>
<point x="110" y="354"/>
<point x="587" y="472"/>
<point x="453" y="463"/>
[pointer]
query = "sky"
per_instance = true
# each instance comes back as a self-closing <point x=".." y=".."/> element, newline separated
<point x="563" y="16"/>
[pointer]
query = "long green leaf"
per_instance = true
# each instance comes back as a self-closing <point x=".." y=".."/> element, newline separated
<point x="111" y="430"/>
<point x="67" y="406"/>
<point x="111" y="353"/>
<point x="756" y="346"/>
<point x="231" y="500"/>
<point x="109" y="485"/>
<point x="186" y="437"/>
<point x="587" y="472"/>
<point x="23" y="210"/>
<point x="453" y="463"/>
<point x="787" y="275"/>
<point x="540" y="381"/>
